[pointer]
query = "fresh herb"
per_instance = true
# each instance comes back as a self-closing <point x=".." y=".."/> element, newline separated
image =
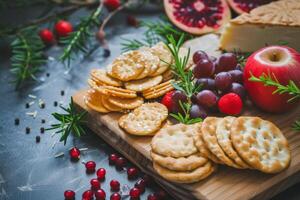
<point x="71" y="121"/>
<point x="134" y="44"/>
<point x="185" y="118"/>
<point x="242" y="57"/>
<point x="268" y="80"/>
<point x="296" y="125"/>
<point x="27" y="56"/>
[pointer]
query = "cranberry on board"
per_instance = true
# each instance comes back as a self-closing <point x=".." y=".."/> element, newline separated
<point x="88" y="195"/>
<point x="152" y="197"/>
<point x="134" y="193"/>
<point x="113" y="158"/>
<point x="46" y="36"/>
<point x="140" y="184"/>
<point x="74" y="153"/>
<point x="101" y="172"/>
<point x="69" y="195"/>
<point x="132" y="172"/>
<point x="114" y="185"/>
<point x="120" y="163"/>
<point x="90" y="166"/>
<point x="100" y="194"/>
<point x="112" y="4"/>
<point x="115" y="196"/>
<point x="95" y="184"/>
<point x="63" y="28"/>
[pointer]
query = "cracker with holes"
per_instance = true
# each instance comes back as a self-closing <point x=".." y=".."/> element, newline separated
<point x="158" y="90"/>
<point x="109" y="106"/>
<point x="223" y="136"/>
<point x="143" y="84"/>
<point x="209" y="137"/>
<point x="261" y="144"/>
<point x="175" y="141"/>
<point x="151" y="65"/>
<point x="129" y="104"/>
<point x="116" y="92"/>
<point x="93" y="100"/>
<point x="192" y="176"/>
<point x="165" y="56"/>
<point x="101" y="76"/>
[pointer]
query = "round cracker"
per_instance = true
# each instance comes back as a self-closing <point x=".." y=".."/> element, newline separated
<point x="126" y="103"/>
<point x="179" y="164"/>
<point x="109" y="106"/>
<point x="175" y="141"/>
<point x="209" y="137"/>
<point x="93" y="100"/>
<point x="187" y="176"/>
<point x="158" y="87"/>
<point x="168" y="75"/>
<point x="151" y="65"/>
<point x="101" y="76"/>
<point x="223" y="136"/>
<point x="143" y="84"/>
<point x="116" y="92"/>
<point x="261" y="144"/>
<point x="159" y="93"/>
<point x="165" y="56"/>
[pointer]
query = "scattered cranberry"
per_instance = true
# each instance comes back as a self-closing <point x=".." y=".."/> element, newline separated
<point x="47" y="36"/>
<point x="120" y="162"/>
<point x="230" y="104"/>
<point x="152" y="197"/>
<point x="101" y="173"/>
<point x="69" y="195"/>
<point x="90" y="166"/>
<point x="63" y="28"/>
<point x="114" y="185"/>
<point x="95" y="184"/>
<point x="132" y="21"/>
<point x="115" y="196"/>
<point x="88" y="195"/>
<point x="112" y="4"/>
<point x="134" y="193"/>
<point x="113" y="158"/>
<point x="100" y="194"/>
<point x="132" y="172"/>
<point x="140" y="184"/>
<point x="74" y="153"/>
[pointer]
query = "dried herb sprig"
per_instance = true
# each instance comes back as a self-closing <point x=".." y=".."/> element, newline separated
<point x="185" y="118"/>
<point x="70" y="122"/>
<point x="27" y="56"/>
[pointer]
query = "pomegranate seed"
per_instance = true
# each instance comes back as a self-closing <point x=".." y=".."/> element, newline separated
<point x="101" y="173"/>
<point x="90" y="166"/>
<point x="132" y="172"/>
<point x="115" y="196"/>
<point x="100" y="194"/>
<point x="152" y="197"/>
<point x="140" y="184"/>
<point x="88" y="195"/>
<point x="74" y="153"/>
<point x="114" y="185"/>
<point x="120" y="162"/>
<point x="134" y="193"/>
<point x="95" y="184"/>
<point x="69" y="195"/>
<point x="113" y="158"/>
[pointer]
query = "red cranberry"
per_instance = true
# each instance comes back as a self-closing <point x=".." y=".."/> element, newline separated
<point x="140" y="184"/>
<point x="95" y="184"/>
<point x="132" y="21"/>
<point x="69" y="195"/>
<point x="88" y="195"/>
<point x="63" y="28"/>
<point x="152" y="197"/>
<point x="132" y="172"/>
<point x="112" y="4"/>
<point x="120" y="162"/>
<point x="74" y="153"/>
<point x="134" y="193"/>
<point x="47" y="36"/>
<point x="90" y="166"/>
<point x="101" y="173"/>
<point x="114" y="185"/>
<point x="115" y="196"/>
<point x="100" y="194"/>
<point x="113" y="158"/>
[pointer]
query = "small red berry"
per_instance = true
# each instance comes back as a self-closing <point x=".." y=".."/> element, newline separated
<point x="140" y="184"/>
<point x="113" y="158"/>
<point x="114" y="185"/>
<point x="132" y="172"/>
<point x="134" y="193"/>
<point x="63" y="28"/>
<point x="88" y="195"/>
<point x="90" y="166"/>
<point x="95" y="184"/>
<point x="132" y="21"/>
<point x="47" y="36"/>
<point x="101" y="173"/>
<point x="167" y="100"/>
<point x="112" y="4"/>
<point x="120" y="162"/>
<point x="69" y="195"/>
<point x="74" y="153"/>
<point x="115" y="196"/>
<point x="152" y="197"/>
<point x="230" y="104"/>
<point x="100" y="194"/>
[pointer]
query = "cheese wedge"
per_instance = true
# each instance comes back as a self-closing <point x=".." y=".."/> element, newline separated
<point x="277" y="23"/>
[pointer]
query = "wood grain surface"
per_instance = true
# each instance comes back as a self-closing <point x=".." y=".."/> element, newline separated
<point x="227" y="183"/>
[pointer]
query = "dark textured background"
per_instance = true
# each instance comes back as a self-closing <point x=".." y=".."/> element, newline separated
<point x="29" y="171"/>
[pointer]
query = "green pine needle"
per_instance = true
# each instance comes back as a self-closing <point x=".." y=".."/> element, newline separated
<point x="70" y="122"/>
<point x="27" y="56"/>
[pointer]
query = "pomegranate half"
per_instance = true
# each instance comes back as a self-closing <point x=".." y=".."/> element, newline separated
<point x="241" y="6"/>
<point x="198" y="16"/>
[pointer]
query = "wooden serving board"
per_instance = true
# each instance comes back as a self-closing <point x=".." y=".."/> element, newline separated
<point x="227" y="183"/>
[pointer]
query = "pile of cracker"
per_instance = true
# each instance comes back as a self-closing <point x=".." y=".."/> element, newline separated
<point x="188" y="153"/>
<point x="131" y="78"/>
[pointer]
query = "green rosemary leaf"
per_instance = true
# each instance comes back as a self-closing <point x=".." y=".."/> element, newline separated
<point x="296" y="125"/>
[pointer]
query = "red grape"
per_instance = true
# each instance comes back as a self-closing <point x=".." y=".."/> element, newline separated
<point x="238" y="89"/>
<point x="204" y="68"/>
<point x="199" y="55"/>
<point x="207" y="98"/>
<point x="227" y="61"/>
<point x="223" y="81"/>
<point x="236" y="75"/>
<point x="206" y="83"/>
<point x="197" y="112"/>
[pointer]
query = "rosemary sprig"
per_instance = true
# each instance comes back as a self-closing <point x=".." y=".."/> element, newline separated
<point x="134" y="44"/>
<point x="268" y="80"/>
<point x="77" y="40"/>
<point x="27" y="56"/>
<point x="185" y="119"/>
<point x="296" y="125"/>
<point x="70" y="122"/>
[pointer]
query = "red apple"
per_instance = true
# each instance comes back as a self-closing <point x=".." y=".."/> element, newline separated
<point x="279" y="61"/>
